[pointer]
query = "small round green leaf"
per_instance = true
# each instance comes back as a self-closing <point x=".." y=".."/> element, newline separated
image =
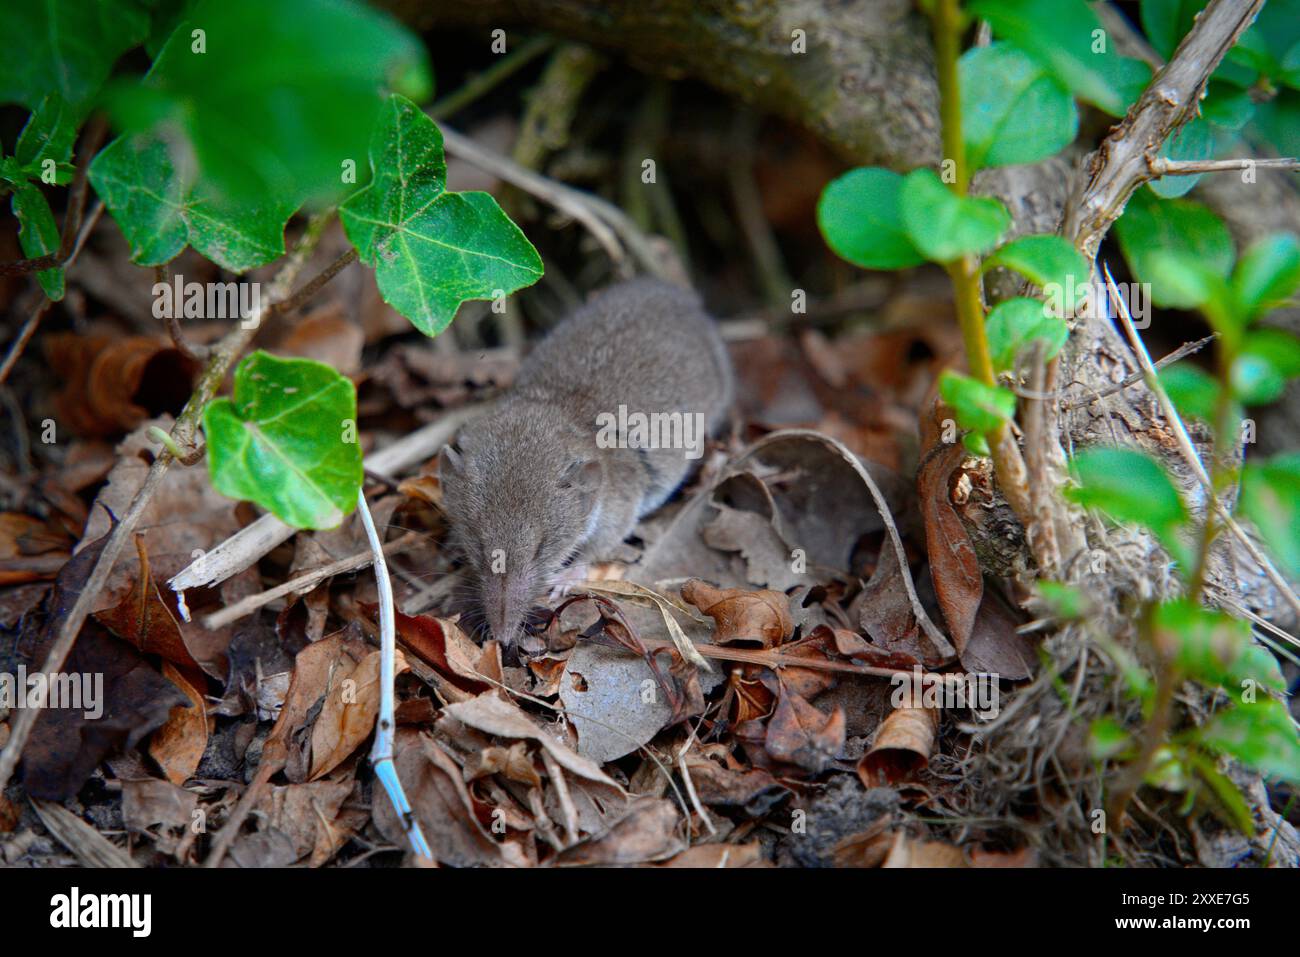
<point x="1268" y="273"/>
<point x="1013" y="111"/>
<point x="1260" y="735"/>
<point x="1062" y="36"/>
<point x="945" y="226"/>
<point x="287" y="440"/>
<point x="1203" y="642"/>
<point x="1193" y="391"/>
<point x="1049" y="262"/>
<point x="859" y="217"/>
<point x="978" y="407"/>
<point x="1132" y="487"/>
<point x="1195" y="141"/>
<point x="1150" y="225"/>
<point x="1270" y="498"/>
<point x="1015" y="323"/>
<point x="1179" y="279"/>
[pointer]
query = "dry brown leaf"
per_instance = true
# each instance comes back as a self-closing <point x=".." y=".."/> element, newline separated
<point x="754" y="789"/>
<point x="179" y="744"/>
<point x="907" y="852"/>
<point x="1025" y="857"/>
<point x="500" y="718"/>
<point x="443" y="806"/>
<point x="647" y="832"/>
<point x="112" y="384"/>
<point x="145" y="619"/>
<point x="348" y="715"/>
<point x="995" y="645"/>
<point x="902" y="747"/>
<point x="769" y="559"/>
<point x="441" y="643"/>
<point x="512" y="763"/>
<point x="954" y="566"/>
<point x="305" y="814"/>
<point x="800" y="734"/>
<point x="159" y="810"/>
<point x="719" y="855"/>
<point x="186" y="515"/>
<point x="741" y="615"/>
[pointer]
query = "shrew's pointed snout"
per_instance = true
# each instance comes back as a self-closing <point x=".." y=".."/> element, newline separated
<point x="506" y="600"/>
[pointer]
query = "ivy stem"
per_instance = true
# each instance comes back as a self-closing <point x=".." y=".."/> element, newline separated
<point x="1008" y="463"/>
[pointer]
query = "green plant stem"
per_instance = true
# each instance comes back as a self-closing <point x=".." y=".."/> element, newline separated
<point x="947" y="20"/>
<point x="1008" y="463"/>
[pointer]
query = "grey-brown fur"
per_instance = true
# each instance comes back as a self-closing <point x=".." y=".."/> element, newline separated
<point x="529" y="478"/>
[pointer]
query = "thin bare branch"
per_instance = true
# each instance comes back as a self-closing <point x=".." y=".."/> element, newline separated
<point x="1123" y="161"/>
<point x="1162" y="166"/>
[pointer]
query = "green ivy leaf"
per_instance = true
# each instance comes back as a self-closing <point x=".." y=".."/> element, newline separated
<point x="1049" y="262"/>
<point x="431" y="249"/>
<point x="66" y="47"/>
<point x="48" y="135"/>
<point x="978" y="407"/>
<point x="278" y="98"/>
<point x="1150" y="225"/>
<point x="38" y="234"/>
<point x="282" y="441"/>
<point x="161" y="209"/>
<point x="1015" y="323"/>
<point x="1012" y="110"/>
<point x="945" y="226"/>
<point x="1268" y="273"/>
<point x="1194" y="392"/>
<point x="1132" y="487"/>
<point x="1270" y="498"/>
<point x="1260" y="735"/>
<point x="1202" y="642"/>
<point x="1063" y="35"/>
<point x="860" y="219"/>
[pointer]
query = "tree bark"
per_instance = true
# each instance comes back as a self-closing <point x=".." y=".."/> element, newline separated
<point x="864" y="83"/>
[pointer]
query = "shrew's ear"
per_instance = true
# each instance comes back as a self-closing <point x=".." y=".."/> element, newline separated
<point x="582" y="476"/>
<point x="450" y="463"/>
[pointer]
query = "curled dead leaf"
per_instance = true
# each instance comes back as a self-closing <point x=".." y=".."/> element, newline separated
<point x="742" y="615"/>
<point x="179" y="744"/>
<point x="112" y="384"/>
<point x="902" y="747"/>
